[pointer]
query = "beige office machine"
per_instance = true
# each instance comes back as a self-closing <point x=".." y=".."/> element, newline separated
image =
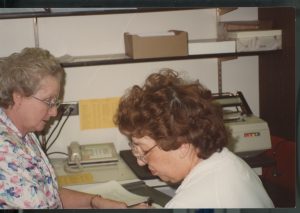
<point x="91" y="154"/>
<point x="250" y="134"/>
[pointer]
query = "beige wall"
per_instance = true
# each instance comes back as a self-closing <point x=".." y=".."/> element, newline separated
<point x="103" y="34"/>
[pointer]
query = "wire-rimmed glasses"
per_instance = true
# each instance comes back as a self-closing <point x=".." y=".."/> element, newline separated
<point x="51" y="103"/>
<point x="139" y="153"/>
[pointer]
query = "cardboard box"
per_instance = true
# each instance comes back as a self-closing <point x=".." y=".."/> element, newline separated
<point x="156" y="46"/>
<point x="256" y="40"/>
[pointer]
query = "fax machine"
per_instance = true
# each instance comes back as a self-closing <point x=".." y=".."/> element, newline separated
<point x="250" y="135"/>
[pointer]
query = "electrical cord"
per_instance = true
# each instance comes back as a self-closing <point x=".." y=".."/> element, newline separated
<point x="59" y="120"/>
<point x="50" y="145"/>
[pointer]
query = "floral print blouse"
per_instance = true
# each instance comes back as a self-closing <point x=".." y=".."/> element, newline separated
<point x="27" y="179"/>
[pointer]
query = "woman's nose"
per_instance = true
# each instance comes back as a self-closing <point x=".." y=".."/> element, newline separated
<point x="53" y="111"/>
<point x="140" y="162"/>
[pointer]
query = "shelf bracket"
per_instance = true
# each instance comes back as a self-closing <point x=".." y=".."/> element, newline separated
<point x="220" y="81"/>
<point x="36" y="32"/>
<point x="220" y="89"/>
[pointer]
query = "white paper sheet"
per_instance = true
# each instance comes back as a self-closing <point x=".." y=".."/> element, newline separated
<point x="111" y="190"/>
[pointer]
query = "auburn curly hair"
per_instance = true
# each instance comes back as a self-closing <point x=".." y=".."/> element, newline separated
<point x="172" y="112"/>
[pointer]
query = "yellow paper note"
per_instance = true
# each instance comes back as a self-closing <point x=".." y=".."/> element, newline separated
<point x="83" y="178"/>
<point x="97" y="113"/>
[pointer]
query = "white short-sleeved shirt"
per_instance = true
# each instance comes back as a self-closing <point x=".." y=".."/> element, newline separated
<point x="222" y="181"/>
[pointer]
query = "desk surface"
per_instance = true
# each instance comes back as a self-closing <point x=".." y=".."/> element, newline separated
<point x="96" y="174"/>
<point x="122" y="173"/>
<point x="119" y="172"/>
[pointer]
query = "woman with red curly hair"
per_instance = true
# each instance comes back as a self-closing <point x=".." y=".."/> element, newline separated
<point x="175" y="128"/>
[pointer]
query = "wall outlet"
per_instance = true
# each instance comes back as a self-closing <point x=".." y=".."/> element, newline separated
<point x="65" y="108"/>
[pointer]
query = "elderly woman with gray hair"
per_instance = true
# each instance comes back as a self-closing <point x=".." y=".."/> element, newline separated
<point x="30" y="85"/>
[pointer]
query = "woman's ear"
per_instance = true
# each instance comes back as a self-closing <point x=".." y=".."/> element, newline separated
<point x="17" y="98"/>
<point x="184" y="150"/>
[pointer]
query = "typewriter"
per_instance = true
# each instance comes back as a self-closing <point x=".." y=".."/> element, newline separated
<point x="250" y="135"/>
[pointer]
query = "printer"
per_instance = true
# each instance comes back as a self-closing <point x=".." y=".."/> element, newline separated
<point x="250" y="135"/>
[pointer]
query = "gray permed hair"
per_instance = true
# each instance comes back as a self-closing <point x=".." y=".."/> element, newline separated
<point x="22" y="73"/>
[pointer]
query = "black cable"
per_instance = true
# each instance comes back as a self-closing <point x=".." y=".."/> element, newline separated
<point x="70" y="111"/>
<point x="59" y="120"/>
<point x="44" y="141"/>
